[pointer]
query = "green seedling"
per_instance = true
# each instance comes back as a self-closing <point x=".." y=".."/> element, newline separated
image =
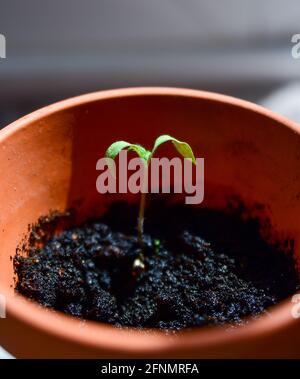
<point x="114" y="149"/>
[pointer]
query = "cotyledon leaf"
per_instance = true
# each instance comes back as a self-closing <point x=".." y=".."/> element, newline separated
<point x="182" y="147"/>
<point x="115" y="148"/>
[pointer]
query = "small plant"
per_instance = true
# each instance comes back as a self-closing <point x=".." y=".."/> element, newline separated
<point x="114" y="149"/>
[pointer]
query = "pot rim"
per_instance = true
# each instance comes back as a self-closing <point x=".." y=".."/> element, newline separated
<point x="104" y="336"/>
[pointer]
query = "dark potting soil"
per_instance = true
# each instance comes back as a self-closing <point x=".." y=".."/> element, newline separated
<point x="201" y="267"/>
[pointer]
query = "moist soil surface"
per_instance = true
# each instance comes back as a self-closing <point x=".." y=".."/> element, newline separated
<point x="202" y="267"/>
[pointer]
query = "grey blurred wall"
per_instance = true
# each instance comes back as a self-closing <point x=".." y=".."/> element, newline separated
<point x="60" y="48"/>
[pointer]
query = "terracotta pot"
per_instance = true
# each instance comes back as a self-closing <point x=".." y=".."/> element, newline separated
<point x="47" y="161"/>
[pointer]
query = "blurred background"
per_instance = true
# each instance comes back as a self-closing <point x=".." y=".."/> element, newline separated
<point x="62" y="48"/>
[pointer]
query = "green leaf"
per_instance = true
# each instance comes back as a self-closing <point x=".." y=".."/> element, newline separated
<point x="183" y="148"/>
<point x="141" y="151"/>
<point x="115" y="148"/>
